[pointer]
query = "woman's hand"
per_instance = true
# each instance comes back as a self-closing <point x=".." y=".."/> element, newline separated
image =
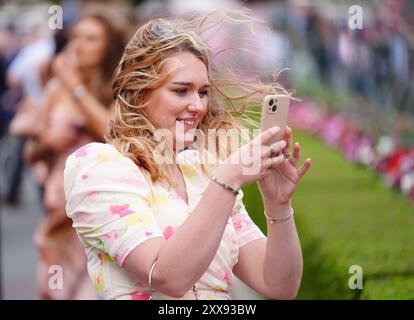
<point x="251" y="162"/>
<point x="279" y="183"/>
<point x="65" y="68"/>
<point x="59" y="136"/>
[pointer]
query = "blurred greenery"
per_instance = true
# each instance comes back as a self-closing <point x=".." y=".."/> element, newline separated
<point x="346" y="216"/>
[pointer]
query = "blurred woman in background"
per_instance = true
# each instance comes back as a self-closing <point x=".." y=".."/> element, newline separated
<point x="77" y="107"/>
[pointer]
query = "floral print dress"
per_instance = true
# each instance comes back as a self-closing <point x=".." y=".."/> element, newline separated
<point x="115" y="207"/>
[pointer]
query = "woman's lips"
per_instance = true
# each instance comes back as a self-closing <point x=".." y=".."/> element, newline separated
<point x="186" y="123"/>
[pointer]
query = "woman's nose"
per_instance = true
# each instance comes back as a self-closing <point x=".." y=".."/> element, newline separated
<point x="195" y="105"/>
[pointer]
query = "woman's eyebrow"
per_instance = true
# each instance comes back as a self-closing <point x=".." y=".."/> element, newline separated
<point x="189" y="84"/>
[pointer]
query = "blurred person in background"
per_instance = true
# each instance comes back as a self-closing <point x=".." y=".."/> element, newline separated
<point x="76" y="110"/>
<point x="24" y="87"/>
<point x="26" y="122"/>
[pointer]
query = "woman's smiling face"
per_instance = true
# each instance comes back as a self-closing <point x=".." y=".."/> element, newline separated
<point x="180" y="104"/>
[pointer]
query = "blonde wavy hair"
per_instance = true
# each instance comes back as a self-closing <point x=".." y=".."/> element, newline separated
<point x="138" y="72"/>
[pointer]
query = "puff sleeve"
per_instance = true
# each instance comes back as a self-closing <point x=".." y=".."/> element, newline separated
<point x="245" y="227"/>
<point x="109" y="201"/>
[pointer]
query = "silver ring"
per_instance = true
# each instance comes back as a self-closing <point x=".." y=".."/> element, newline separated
<point x="286" y="155"/>
<point x="272" y="152"/>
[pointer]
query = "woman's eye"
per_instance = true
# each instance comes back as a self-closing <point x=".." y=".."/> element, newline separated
<point x="204" y="93"/>
<point x="180" y="91"/>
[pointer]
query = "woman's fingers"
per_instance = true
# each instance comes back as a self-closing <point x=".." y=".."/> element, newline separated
<point x="296" y="155"/>
<point x="266" y="136"/>
<point x="304" y="168"/>
<point x="288" y="138"/>
<point x="272" y="162"/>
<point x="276" y="147"/>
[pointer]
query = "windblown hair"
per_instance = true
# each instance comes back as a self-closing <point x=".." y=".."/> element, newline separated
<point x="138" y="72"/>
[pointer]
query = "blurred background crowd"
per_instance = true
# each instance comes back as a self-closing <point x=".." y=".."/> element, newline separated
<point x="356" y="88"/>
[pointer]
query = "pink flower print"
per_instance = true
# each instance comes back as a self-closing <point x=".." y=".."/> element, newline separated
<point x="168" y="232"/>
<point x="100" y="257"/>
<point x="140" y="296"/>
<point x="99" y="281"/>
<point x="122" y="253"/>
<point x="115" y="234"/>
<point x="148" y="233"/>
<point x="118" y="258"/>
<point x="227" y="276"/>
<point x="122" y="211"/>
<point x="103" y="257"/>
<point x="240" y="220"/>
<point x="234" y="241"/>
<point x="84" y="177"/>
<point x="142" y="220"/>
<point x="81" y="217"/>
<point x="82" y="152"/>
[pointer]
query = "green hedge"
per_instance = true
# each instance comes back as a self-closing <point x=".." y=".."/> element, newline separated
<point x="347" y="216"/>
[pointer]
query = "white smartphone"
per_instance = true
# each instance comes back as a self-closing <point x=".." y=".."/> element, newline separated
<point x="275" y="109"/>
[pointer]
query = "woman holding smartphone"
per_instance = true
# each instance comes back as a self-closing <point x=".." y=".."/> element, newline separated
<point x="180" y="230"/>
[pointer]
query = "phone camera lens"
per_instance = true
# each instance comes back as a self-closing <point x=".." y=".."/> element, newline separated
<point x="270" y="102"/>
<point x="274" y="108"/>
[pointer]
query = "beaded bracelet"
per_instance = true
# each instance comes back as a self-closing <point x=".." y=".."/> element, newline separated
<point x="278" y="220"/>
<point x="225" y="186"/>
